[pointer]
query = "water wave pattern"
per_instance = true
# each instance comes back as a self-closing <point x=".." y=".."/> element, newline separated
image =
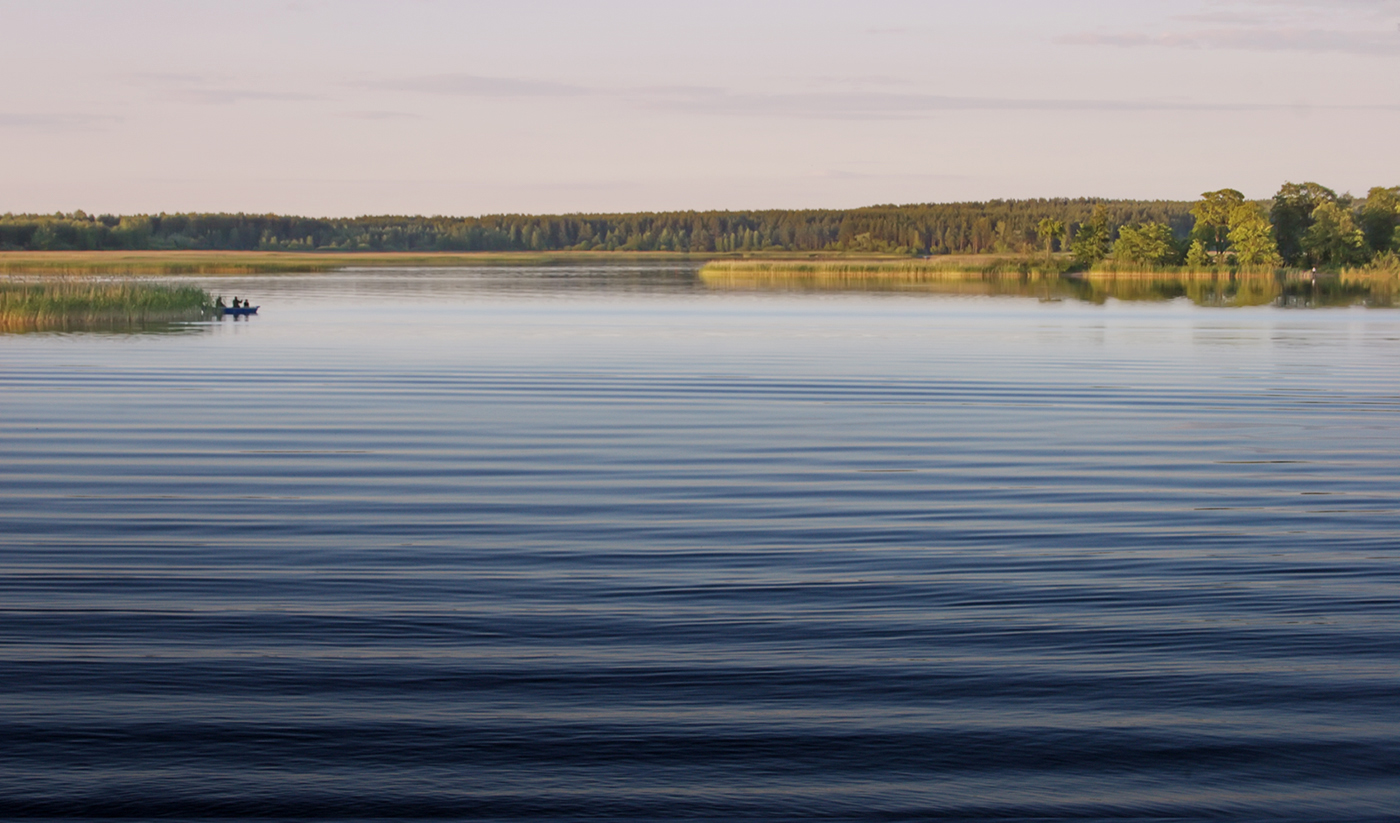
<point x="458" y="545"/>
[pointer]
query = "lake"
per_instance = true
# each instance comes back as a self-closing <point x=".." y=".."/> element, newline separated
<point x="613" y="543"/>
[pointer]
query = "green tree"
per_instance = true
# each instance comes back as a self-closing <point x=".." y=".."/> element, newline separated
<point x="1333" y="239"/>
<point x="1380" y="217"/>
<point x="1252" y="238"/>
<point x="1212" y="215"/>
<point x="1150" y="244"/>
<point x="1197" y="258"/>
<point x="1292" y="215"/>
<point x="45" y="238"/>
<point x="1090" y="244"/>
<point x="1050" y="230"/>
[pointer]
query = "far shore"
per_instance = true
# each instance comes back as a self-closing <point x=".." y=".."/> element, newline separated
<point x="274" y="262"/>
<point x="845" y="265"/>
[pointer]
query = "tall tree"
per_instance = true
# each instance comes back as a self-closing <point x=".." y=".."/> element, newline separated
<point x="1197" y="258"/>
<point x="1090" y="243"/>
<point x="1333" y="239"/>
<point x="1050" y="230"/>
<point x="1292" y="214"/>
<point x="1380" y="217"/>
<point x="1252" y="238"/>
<point x="1212" y="215"/>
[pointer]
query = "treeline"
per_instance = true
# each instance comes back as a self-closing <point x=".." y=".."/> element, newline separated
<point x="1004" y="226"/>
<point x="1305" y="224"/>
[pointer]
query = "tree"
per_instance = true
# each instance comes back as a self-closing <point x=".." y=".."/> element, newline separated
<point x="1090" y="243"/>
<point x="1197" y="257"/>
<point x="1333" y="239"/>
<point x="1050" y="230"/>
<point x="981" y="235"/>
<point x="1252" y="238"/>
<point x="1292" y="213"/>
<point x="1380" y="217"/>
<point x="1150" y="244"/>
<point x="1212" y="215"/>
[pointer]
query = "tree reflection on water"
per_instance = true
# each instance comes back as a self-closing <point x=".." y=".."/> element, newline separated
<point x="1219" y="289"/>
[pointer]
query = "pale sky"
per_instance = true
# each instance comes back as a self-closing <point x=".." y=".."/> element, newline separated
<point x="434" y="107"/>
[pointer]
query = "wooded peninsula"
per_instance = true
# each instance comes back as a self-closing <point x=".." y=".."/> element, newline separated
<point x="1305" y="225"/>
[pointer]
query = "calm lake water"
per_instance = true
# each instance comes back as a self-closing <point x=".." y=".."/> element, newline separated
<point x="610" y="544"/>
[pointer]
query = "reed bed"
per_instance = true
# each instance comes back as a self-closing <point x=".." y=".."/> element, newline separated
<point x="910" y="271"/>
<point x="55" y="305"/>
<point x="167" y="263"/>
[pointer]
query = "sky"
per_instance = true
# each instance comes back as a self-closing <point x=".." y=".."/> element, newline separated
<point x="351" y="107"/>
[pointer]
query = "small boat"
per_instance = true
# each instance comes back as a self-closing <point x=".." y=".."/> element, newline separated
<point x="240" y="310"/>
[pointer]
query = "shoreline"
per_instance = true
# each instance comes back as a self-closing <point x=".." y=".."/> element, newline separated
<point x="214" y="262"/>
<point x="762" y="265"/>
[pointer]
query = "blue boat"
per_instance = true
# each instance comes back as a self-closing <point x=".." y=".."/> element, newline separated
<point x="241" y="310"/>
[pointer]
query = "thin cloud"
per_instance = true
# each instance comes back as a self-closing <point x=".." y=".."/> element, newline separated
<point x="380" y="115"/>
<point x="207" y="90"/>
<point x="842" y="174"/>
<point x="55" y="122"/>
<point x="1225" y="18"/>
<point x="475" y="85"/>
<point x="844" y="103"/>
<point x="226" y="97"/>
<point x="1249" y="39"/>
<point x="895" y="106"/>
<point x="1319" y="9"/>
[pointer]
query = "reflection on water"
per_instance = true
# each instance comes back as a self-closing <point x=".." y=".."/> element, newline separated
<point x="365" y="289"/>
<point x="1217" y="290"/>
<point x="601" y="544"/>
<point x="544" y="281"/>
<point x="111" y="328"/>
<point x="121" y="328"/>
<point x="1240" y="290"/>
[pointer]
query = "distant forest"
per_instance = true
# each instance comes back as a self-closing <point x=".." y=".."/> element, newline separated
<point x="955" y="228"/>
<point x="1152" y="232"/>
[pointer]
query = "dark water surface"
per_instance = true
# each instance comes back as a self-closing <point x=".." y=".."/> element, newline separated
<point x="562" y="544"/>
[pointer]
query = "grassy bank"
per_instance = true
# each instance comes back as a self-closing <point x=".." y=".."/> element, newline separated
<point x="117" y="263"/>
<point x="818" y="265"/>
<point x="78" y="304"/>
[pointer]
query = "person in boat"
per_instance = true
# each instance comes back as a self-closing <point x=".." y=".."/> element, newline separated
<point x="235" y="302"/>
<point x="219" y="302"/>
